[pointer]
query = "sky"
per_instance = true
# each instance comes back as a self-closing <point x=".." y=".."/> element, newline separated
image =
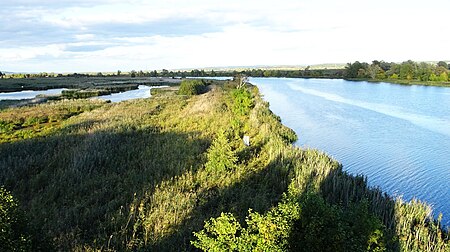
<point x="111" y="35"/>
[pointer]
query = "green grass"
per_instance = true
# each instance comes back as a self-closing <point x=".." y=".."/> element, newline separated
<point x="144" y="175"/>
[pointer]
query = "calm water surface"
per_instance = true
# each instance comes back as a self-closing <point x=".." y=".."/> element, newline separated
<point x="29" y="94"/>
<point x="143" y="91"/>
<point x="398" y="136"/>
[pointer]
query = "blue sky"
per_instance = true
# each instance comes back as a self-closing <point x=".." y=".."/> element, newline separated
<point x="108" y="35"/>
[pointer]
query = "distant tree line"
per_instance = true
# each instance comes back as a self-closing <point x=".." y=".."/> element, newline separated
<point x="300" y="73"/>
<point x="407" y="70"/>
<point x="377" y="70"/>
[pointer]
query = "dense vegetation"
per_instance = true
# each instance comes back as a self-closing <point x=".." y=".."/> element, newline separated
<point x="407" y="71"/>
<point x="192" y="87"/>
<point x="172" y="173"/>
<point x="14" y="235"/>
<point x="108" y="84"/>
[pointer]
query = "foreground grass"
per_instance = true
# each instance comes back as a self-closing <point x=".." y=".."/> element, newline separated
<point x="147" y="174"/>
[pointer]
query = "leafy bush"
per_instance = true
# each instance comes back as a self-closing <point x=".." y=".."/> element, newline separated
<point x="243" y="101"/>
<point x="192" y="87"/>
<point x="13" y="229"/>
<point x="220" y="155"/>
<point x="267" y="232"/>
<point x="308" y="224"/>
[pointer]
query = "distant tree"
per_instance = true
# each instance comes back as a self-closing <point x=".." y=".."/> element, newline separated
<point x="362" y="73"/>
<point x="119" y="72"/>
<point x="408" y="70"/>
<point x="424" y="71"/>
<point x="440" y="69"/>
<point x="443" y="76"/>
<point x="356" y="70"/>
<point x="1" y="75"/>
<point x="443" y="64"/>
<point x="374" y="70"/>
<point x="132" y="74"/>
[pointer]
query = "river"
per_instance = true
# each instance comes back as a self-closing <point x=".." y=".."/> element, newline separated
<point x="143" y="91"/>
<point x="398" y="136"/>
<point x="29" y="94"/>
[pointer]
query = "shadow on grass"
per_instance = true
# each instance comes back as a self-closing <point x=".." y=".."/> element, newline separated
<point x="73" y="185"/>
<point x="260" y="191"/>
<point x="342" y="214"/>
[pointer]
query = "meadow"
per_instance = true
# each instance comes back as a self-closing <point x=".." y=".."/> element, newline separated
<point x="171" y="173"/>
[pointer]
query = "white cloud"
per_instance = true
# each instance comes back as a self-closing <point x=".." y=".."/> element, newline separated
<point x="129" y="35"/>
<point x="87" y="36"/>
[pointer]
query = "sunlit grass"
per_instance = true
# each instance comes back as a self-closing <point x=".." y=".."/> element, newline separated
<point x="139" y="175"/>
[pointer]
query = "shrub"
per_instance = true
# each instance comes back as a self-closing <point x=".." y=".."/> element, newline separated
<point x="243" y="101"/>
<point x="192" y="87"/>
<point x="13" y="233"/>
<point x="220" y="155"/>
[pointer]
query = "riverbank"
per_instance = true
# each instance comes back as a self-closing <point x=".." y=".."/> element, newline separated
<point x="146" y="174"/>
<point x="404" y="82"/>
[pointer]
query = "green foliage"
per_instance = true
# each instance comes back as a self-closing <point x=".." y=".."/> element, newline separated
<point x="296" y="224"/>
<point x="325" y="227"/>
<point x="394" y="76"/>
<point x="243" y="101"/>
<point x="14" y="235"/>
<point x="40" y="120"/>
<point x="144" y="175"/>
<point x="192" y="87"/>
<point x="269" y="232"/>
<point x="220" y="155"/>
<point x="408" y="72"/>
<point x="220" y="234"/>
<point x="355" y="70"/>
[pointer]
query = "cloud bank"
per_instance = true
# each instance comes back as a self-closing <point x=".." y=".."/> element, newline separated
<point x="100" y="35"/>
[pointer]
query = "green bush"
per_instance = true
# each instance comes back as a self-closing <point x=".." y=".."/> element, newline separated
<point x="296" y="224"/>
<point x="220" y="155"/>
<point x="267" y="232"/>
<point x="13" y="229"/>
<point x="192" y="87"/>
<point x="243" y="101"/>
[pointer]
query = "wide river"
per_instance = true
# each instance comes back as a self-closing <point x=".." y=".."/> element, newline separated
<point x="398" y="136"/>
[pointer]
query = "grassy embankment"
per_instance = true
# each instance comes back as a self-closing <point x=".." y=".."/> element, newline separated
<point x="146" y="174"/>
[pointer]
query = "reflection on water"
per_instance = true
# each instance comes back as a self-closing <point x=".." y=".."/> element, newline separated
<point x="398" y="136"/>
<point x="29" y="94"/>
<point x="143" y="91"/>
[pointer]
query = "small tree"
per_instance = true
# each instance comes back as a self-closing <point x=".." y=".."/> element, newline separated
<point x="220" y="154"/>
<point x="241" y="80"/>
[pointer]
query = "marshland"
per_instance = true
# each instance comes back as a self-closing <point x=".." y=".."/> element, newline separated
<point x="171" y="172"/>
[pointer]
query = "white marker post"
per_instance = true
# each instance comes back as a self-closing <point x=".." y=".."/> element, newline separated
<point x="246" y="140"/>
